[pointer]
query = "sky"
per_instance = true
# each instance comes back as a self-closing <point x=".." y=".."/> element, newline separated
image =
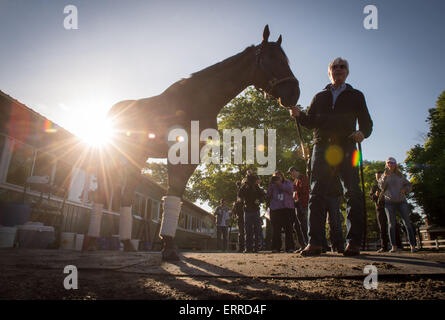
<point x="136" y="49"/>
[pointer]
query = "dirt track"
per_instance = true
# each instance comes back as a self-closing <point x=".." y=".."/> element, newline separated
<point x="202" y="276"/>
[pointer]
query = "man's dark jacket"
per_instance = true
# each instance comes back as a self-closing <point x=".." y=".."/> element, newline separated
<point x="252" y="196"/>
<point x="335" y="123"/>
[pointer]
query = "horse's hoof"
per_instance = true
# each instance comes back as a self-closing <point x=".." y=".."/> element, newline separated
<point x="128" y="246"/>
<point x="170" y="255"/>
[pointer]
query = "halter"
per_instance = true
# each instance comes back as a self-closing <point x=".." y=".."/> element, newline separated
<point x="274" y="81"/>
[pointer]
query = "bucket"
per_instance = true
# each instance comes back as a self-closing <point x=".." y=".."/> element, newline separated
<point x="135" y="244"/>
<point x="35" y="236"/>
<point x="14" y="214"/>
<point x="95" y="221"/>
<point x="7" y="236"/>
<point x="67" y="240"/>
<point x="79" y="242"/>
<point x="114" y="242"/>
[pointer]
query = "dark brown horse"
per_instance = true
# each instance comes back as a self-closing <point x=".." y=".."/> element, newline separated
<point x="142" y="125"/>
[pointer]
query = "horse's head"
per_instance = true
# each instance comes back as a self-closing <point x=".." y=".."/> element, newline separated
<point x="272" y="72"/>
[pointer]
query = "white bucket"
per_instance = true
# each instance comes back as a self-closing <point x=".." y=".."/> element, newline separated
<point x="67" y="240"/>
<point x="135" y="244"/>
<point x="125" y="223"/>
<point x="172" y="209"/>
<point x="7" y="236"/>
<point x="79" y="242"/>
<point x="95" y="221"/>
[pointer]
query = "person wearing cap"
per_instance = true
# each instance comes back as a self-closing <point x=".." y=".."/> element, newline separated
<point x="333" y="115"/>
<point x="301" y="198"/>
<point x="394" y="187"/>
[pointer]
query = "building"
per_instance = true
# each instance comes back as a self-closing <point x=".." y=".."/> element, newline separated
<point x="32" y="145"/>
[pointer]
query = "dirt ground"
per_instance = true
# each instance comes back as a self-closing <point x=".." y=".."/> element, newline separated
<point x="216" y="276"/>
<point x="113" y="285"/>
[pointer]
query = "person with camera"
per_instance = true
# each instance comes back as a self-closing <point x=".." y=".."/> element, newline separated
<point x="395" y="187"/>
<point x="238" y="212"/>
<point x="282" y="208"/>
<point x="251" y="195"/>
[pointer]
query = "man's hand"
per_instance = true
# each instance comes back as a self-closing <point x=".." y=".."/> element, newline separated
<point x="295" y="112"/>
<point x="357" y="136"/>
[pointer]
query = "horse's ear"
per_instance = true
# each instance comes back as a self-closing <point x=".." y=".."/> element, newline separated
<point x="279" y="40"/>
<point x="266" y="33"/>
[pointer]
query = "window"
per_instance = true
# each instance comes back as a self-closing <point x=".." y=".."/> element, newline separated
<point x="138" y="205"/>
<point x="43" y="166"/>
<point x="149" y="206"/>
<point x="181" y="220"/>
<point x="77" y="187"/>
<point x="155" y="210"/>
<point x="21" y="164"/>
<point x="62" y="177"/>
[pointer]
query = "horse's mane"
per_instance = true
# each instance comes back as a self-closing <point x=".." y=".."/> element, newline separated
<point x="209" y="72"/>
<point x="196" y="78"/>
<point x="220" y="65"/>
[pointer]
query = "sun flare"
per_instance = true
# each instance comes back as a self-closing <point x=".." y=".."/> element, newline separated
<point x="97" y="133"/>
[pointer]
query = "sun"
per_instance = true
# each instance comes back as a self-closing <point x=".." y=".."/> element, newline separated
<point x="97" y="133"/>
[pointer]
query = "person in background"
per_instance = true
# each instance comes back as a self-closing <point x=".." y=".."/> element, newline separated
<point x="377" y="197"/>
<point x="238" y="212"/>
<point x="251" y="195"/>
<point x="282" y="208"/>
<point x="301" y="199"/>
<point x="395" y="186"/>
<point x="222" y="224"/>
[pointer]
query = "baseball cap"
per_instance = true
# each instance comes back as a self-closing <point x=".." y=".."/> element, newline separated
<point x="292" y="168"/>
<point x="391" y="159"/>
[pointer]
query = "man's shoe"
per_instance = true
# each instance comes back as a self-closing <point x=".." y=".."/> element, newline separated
<point x="311" y="251"/>
<point x="381" y="250"/>
<point x="351" y="251"/>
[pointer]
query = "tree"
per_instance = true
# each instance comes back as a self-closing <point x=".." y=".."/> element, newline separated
<point x="251" y="109"/>
<point x="158" y="172"/>
<point x="426" y="165"/>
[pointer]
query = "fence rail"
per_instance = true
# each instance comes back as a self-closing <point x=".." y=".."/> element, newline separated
<point x="424" y="244"/>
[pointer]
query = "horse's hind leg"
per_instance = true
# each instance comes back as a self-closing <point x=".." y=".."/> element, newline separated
<point x="178" y="176"/>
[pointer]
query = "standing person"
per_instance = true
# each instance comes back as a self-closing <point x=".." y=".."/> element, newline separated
<point x="281" y="210"/>
<point x="238" y="212"/>
<point x="252" y="196"/>
<point x="333" y="114"/>
<point x="301" y="198"/>
<point x="222" y="224"/>
<point x="377" y="196"/>
<point x="395" y="187"/>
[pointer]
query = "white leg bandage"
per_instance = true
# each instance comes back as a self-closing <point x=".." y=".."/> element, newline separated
<point x="172" y="208"/>
<point x="95" y="220"/>
<point x="125" y="223"/>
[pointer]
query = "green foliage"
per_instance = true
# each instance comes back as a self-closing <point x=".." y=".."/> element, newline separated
<point x="426" y="165"/>
<point x="250" y="109"/>
<point x="158" y="172"/>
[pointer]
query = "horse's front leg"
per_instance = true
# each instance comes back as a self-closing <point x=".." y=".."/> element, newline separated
<point x="132" y="180"/>
<point x="178" y="176"/>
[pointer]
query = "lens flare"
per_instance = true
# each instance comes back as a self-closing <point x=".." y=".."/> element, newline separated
<point x="49" y="127"/>
<point x="334" y="155"/>
<point x="356" y="158"/>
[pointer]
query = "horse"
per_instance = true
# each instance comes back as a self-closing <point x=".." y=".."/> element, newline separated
<point x="142" y="128"/>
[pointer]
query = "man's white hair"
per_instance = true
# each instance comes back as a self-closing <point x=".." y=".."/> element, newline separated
<point x="338" y="60"/>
